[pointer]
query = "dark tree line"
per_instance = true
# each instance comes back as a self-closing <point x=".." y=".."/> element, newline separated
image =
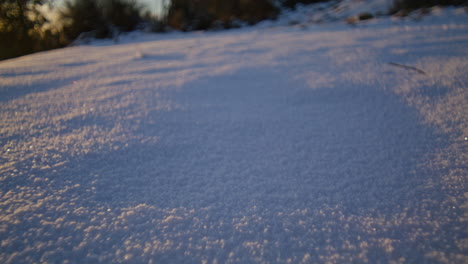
<point x="99" y="16"/>
<point x="205" y="14"/>
<point x="23" y="28"/>
<point x="19" y="23"/>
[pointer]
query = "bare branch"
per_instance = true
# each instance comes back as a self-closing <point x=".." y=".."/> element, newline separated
<point x="407" y="67"/>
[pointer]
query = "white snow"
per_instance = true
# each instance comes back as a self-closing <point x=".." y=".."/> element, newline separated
<point x="274" y="144"/>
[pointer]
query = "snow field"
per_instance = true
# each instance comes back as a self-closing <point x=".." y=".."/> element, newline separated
<point x="254" y="146"/>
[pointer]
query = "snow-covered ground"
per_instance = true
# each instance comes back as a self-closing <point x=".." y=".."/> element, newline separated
<point x="301" y="144"/>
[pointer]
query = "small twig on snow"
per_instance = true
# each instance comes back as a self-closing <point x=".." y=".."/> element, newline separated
<point x="407" y="67"/>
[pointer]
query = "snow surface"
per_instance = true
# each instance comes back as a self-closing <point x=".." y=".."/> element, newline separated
<point x="266" y="145"/>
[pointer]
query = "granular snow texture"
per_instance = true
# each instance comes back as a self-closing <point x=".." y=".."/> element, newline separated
<point x="280" y="145"/>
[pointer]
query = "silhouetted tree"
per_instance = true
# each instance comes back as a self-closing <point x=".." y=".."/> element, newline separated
<point x="99" y="16"/>
<point x="123" y="14"/>
<point x="20" y="26"/>
<point x="82" y="16"/>
<point x="205" y="14"/>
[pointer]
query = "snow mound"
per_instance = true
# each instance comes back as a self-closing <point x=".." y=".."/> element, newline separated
<point x="332" y="144"/>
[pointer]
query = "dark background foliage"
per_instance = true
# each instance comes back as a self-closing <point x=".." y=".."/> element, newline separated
<point x="205" y="14"/>
<point x="23" y="30"/>
<point x="101" y="16"/>
<point x="18" y="34"/>
<point x="292" y="3"/>
<point x="409" y="5"/>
